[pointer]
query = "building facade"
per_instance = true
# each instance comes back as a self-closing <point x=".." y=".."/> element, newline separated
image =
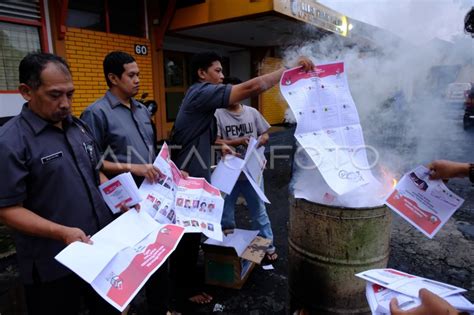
<point x="162" y="36"/>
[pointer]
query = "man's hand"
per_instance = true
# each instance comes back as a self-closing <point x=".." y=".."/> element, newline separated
<point x="69" y="235"/>
<point x="243" y="140"/>
<point x="443" y="169"/>
<point x="148" y="171"/>
<point x="124" y="208"/>
<point x="263" y="139"/>
<point x="431" y="304"/>
<point x="225" y="149"/>
<point x="306" y="63"/>
<point x="184" y="174"/>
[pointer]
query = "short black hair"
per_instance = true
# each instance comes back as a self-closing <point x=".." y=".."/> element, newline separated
<point x="469" y="22"/>
<point x="202" y="61"/>
<point x="114" y="63"/>
<point x="33" y="64"/>
<point x="231" y="80"/>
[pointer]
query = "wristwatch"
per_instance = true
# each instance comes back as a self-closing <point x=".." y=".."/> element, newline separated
<point x="471" y="172"/>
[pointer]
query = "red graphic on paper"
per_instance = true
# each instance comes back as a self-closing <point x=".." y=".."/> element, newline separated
<point x="398" y="273"/>
<point x="211" y="189"/>
<point x="292" y="76"/>
<point x="378" y="288"/>
<point x="425" y="220"/>
<point x="164" y="154"/>
<point x="112" y="187"/>
<point x="143" y="264"/>
<point x="192" y="183"/>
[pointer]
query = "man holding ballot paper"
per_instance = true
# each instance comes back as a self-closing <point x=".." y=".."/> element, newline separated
<point x="195" y="133"/>
<point x="49" y="193"/>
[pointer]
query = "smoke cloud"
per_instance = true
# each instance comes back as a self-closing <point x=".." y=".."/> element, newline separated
<point x="399" y="86"/>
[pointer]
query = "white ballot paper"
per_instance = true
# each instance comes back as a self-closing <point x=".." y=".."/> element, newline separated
<point x="427" y="204"/>
<point x="120" y="190"/>
<point x="379" y="298"/>
<point x="230" y="167"/>
<point x="407" y="284"/>
<point x="328" y="126"/>
<point x="124" y="254"/>
<point x="192" y="203"/>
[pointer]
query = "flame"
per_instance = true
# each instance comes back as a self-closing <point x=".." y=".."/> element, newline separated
<point x="394" y="182"/>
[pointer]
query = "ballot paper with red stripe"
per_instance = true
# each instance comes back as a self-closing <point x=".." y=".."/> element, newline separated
<point x="123" y="255"/>
<point x="328" y="127"/>
<point x="189" y="202"/>
<point x="427" y="204"/>
<point x="120" y="191"/>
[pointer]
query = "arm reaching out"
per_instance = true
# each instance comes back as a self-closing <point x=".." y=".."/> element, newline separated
<point x="28" y="222"/>
<point x="444" y="169"/>
<point x="262" y="83"/>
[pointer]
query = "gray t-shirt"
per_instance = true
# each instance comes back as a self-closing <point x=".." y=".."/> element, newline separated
<point x="248" y="122"/>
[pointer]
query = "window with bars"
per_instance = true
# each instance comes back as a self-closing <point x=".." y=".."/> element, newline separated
<point x="118" y="16"/>
<point x="16" y="41"/>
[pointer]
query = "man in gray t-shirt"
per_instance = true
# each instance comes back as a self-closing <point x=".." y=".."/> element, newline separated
<point x="235" y="125"/>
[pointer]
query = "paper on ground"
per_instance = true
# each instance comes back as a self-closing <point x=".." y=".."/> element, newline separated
<point x="426" y="204"/>
<point x="123" y="255"/>
<point x="192" y="203"/>
<point x="239" y="240"/>
<point x="328" y="125"/>
<point x="120" y="190"/>
<point x="229" y="168"/>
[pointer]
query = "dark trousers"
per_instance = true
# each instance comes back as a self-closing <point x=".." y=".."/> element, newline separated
<point x="183" y="273"/>
<point x="157" y="290"/>
<point x="64" y="296"/>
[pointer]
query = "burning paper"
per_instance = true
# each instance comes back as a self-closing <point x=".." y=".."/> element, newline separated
<point x="427" y="204"/>
<point x="328" y="127"/>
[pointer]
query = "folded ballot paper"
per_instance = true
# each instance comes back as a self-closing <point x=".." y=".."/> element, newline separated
<point x="385" y="284"/>
<point x="252" y="165"/>
<point x="123" y="255"/>
<point x="120" y="190"/>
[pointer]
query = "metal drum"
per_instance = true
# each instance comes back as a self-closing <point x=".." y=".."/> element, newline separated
<point x="327" y="246"/>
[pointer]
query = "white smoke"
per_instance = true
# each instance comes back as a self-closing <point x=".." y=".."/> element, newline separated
<point x="398" y="89"/>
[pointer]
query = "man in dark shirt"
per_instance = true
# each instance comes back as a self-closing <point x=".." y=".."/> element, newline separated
<point x="49" y="193"/>
<point x="122" y="127"/>
<point x="195" y="132"/>
<point x="120" y="124"/>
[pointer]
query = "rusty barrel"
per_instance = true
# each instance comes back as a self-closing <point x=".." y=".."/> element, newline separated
<point x="327" y="246"/>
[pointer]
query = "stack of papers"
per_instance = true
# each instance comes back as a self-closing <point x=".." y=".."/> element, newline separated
<point x="120" y="191"/>
<point x="427" y="204"/>
<point x="385" y="284"/>
<point x="230" y="167"/>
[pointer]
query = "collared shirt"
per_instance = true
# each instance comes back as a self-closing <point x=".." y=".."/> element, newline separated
<point x="124" y="134"/>
<point x="50" y="171"/>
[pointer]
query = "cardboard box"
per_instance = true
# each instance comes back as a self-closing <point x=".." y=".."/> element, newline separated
<point x="229" y="263"/>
